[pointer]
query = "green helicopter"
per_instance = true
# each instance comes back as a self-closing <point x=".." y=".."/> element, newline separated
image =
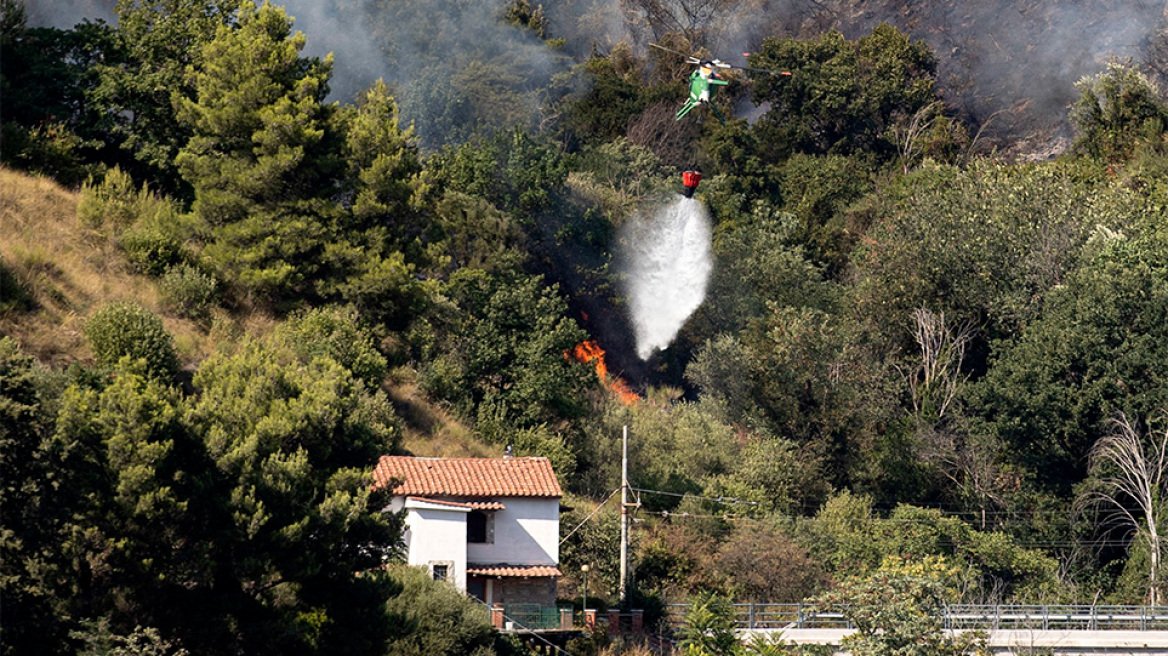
<point x="704" y="81"/>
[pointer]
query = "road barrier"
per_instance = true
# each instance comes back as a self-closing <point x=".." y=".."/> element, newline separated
<point x="990" y="617"/>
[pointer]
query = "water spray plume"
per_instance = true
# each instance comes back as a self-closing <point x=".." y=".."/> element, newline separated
<point x="590" y="352"/>
<point x="666" y="261"/>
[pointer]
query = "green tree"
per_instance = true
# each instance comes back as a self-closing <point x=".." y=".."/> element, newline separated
<point x="337" y="333"/>
<point x="33" y="580"/>
<point x="842" y="96"/>
<point x="476" y="234"/>
<point x="133" y="503"/>
<point x="616" y="95"/>
<point x="378" y="239"/>
<point x="156" y="42"/>
<point x="384" y="168"/>
<point x="817" y="383"/>
<point x="505" y="353"/>
<point x="674" y="446"/>
<point x="1097" y="349"/>
<point x="47" y="124"/>
<point x="519" y="173"/>
<point x="38" y="82"/>
<point x="290" y="446"/>
<point x="760" y="262"/>
<point x="619" y="175"/>
<point x="851" y="539"/>
<point x="1115" y="110"/>
<point x="240" y="519"/>
<point x="709" y="628"/>
<point x="897" y="611"/>
<point x="983" y="245"/>
<point x="99" y="640"/>
<point x="774" y="473"/>
<point x="263" y="156"/>
<point x="816" y="189"/>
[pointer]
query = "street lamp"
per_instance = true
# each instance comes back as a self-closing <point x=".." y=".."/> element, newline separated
<point x="584" y="568"/>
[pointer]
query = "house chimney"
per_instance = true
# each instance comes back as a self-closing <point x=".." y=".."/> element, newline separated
<point x="507" y="452"/>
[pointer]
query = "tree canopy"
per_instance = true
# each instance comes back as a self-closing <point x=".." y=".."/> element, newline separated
<point x="901" y="384"/>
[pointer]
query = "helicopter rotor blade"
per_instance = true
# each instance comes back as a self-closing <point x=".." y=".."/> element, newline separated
<point x="716" y="63"/>
<point x="678" y="53"/>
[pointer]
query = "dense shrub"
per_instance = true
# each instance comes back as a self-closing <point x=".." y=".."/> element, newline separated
<point x="1116" y="109"/>
<point x="114" y="204"/>
<point x="150" y="250"/>
<point x="120" y="329"/>
<point x="338" y="333"/>
<point x="188" y="291"/>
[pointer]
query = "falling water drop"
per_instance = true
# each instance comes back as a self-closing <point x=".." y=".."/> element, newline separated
<point x="666" y="261"/>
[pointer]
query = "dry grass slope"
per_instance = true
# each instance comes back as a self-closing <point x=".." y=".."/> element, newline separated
<point x="62" y="273"/>
<point x="430" y="431"/>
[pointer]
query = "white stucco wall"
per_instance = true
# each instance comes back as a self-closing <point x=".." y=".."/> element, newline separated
<point x="527" y="532"/>
<point x="437" y="533"/>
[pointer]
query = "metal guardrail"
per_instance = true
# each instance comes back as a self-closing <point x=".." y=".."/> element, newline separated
<point x="965" y="616"/>
<point x="1069" y="617"/>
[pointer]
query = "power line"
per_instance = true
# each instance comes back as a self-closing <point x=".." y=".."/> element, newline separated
<point x="686" y="495"/>
<point x="590" y="515"/>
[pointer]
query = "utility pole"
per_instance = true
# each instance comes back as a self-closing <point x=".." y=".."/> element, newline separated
<point x="624" y="544"/>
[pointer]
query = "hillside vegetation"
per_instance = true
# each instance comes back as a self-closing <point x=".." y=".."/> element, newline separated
<point x="58" y="273"/>
<point x="920" y="374"/>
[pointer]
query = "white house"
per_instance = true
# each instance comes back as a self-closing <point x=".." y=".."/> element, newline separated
<point x="490" y="526"/>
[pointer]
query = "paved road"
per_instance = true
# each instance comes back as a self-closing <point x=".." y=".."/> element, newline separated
<point x="1064" y="643"/>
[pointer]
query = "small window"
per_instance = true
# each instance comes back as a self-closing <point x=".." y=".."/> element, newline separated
<point x="476" y="527"/>
<point x="440" y="572"/>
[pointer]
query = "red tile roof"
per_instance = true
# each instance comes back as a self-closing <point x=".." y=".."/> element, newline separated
<point x="512" y="570"/>
<point x="468" y="477"/>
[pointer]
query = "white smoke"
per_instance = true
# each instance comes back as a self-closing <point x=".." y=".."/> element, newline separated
<point x="666" y="263"/>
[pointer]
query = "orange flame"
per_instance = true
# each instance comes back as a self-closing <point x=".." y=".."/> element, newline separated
<point x="590" y="351"/>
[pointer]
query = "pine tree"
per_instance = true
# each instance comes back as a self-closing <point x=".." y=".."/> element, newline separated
<point x="264" y="154"/>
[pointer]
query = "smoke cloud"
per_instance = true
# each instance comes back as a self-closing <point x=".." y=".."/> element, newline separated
<point x="65" y="14"/>
<point x="455" y="64"/>
<point x="666" y="263"/>
<point x="1021" y="59"/>
<point x="1016" y="60"/>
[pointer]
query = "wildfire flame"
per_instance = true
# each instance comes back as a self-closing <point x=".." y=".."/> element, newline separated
<point x="590" y="351"/>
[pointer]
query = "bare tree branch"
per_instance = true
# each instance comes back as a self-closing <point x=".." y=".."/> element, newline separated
<point x="908" y="134"/>
<point x="933" y="384"/>
<point x="1133" y="471"/>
